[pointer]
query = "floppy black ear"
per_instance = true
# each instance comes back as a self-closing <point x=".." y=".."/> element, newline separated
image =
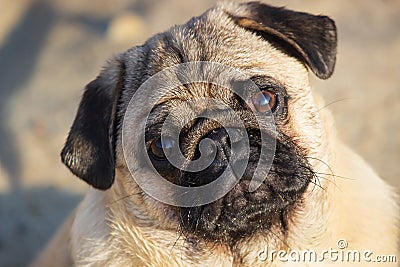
<point x="89" y="151"/>
<point x="312" y="39"/>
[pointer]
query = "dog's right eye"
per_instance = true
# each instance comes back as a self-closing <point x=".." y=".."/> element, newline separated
<point x="160" y="150"/>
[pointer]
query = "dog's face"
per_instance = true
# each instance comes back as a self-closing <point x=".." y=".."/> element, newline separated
<point x="272" y="47"/>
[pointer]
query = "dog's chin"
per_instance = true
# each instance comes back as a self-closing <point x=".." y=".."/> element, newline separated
<point x="241" y="214"/>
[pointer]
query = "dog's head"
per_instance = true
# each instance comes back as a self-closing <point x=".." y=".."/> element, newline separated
<point x="272" y="47"/>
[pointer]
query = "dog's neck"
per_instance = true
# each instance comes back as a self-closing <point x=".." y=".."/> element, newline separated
<point x="137" y="237"/>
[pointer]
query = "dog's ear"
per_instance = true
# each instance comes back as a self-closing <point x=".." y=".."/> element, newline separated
<point x="312" y="39"/>
<point x="89" y="151"/>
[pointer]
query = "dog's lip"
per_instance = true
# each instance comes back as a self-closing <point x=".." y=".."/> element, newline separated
<point x="226" y="217"/>
<point x="242" y="212"/>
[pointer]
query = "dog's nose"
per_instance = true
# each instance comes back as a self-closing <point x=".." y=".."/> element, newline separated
<point x="219" y="145"/>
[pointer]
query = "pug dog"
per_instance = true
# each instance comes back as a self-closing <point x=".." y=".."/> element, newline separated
<point x="316" y="194"/>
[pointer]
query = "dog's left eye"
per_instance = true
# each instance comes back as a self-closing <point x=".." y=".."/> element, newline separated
<point x="264" y="101"/>
<point x="160" y="150"/>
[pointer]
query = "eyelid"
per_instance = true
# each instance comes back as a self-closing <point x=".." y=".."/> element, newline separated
<point x="265" y="82"/>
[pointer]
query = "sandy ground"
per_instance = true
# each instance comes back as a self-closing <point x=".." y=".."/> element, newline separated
<point x="50" y="49"/>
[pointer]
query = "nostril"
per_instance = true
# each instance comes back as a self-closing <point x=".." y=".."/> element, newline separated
<point x="218" y="136"/>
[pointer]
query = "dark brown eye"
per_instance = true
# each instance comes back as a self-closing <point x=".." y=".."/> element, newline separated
<point x="264" y="101"/>
<point x="160" y="150"/>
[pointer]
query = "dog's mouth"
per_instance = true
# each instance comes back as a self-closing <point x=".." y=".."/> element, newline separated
<point x="241" y="213"/>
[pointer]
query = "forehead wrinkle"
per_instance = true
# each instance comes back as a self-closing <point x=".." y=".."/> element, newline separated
<point x="181" y="94"/>
<point x="197" y="90"/>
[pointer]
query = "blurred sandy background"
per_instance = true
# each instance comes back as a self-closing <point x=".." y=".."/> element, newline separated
<point x="50" y="49"/>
